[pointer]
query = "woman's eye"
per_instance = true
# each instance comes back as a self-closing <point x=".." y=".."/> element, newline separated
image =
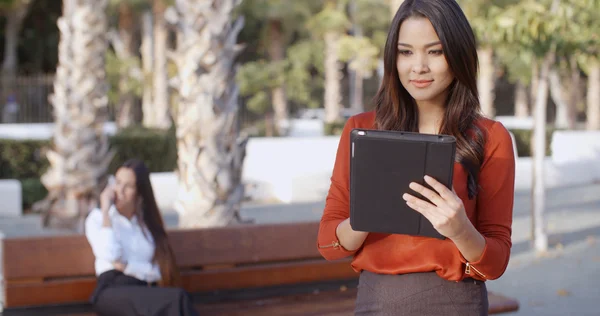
<point x="404" y="52"/>
<point x="437" y="52"/>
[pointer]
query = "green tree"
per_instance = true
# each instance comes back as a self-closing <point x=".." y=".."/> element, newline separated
<point x="329" y="25"/>
<point x="589" y="22"/>
<point x="542" y="27"/>
<point x="283" y="22"/>
<point x="279" y="23"/>
<point x="364" y="49"/>
<point x="123" y="64"/>
<point x="482" y="15"/>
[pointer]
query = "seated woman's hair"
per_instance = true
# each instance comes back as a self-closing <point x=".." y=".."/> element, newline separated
<point x="151" y="220"/>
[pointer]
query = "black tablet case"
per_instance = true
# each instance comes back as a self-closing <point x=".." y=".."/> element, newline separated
<point x="382" y="165"/>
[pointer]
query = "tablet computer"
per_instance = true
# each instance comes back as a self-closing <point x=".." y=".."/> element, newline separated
<point x="382" y="165"/>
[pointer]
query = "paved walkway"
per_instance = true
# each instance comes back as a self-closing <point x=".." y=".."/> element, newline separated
<point x="564" y="282"/>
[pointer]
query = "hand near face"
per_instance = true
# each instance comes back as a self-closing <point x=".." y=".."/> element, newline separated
<point x="107" y="197"/>
<point x="446" y="211"/>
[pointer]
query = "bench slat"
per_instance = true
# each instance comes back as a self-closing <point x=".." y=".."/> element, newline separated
<point x="38" y="257"/>
<point x="68" y="256"/>
<point x="269" y="275"/>
<point x="245" y="244"/>
<point x="79" y="290"/>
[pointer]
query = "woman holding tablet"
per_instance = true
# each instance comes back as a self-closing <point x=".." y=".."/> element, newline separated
<point x="429" y="86"/>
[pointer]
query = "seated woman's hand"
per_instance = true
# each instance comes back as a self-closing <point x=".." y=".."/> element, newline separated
<point x="446" y="211"/>
<point x="119" y="266"/>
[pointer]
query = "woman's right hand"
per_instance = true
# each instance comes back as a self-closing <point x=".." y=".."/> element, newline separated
<point x="107" y="197"/>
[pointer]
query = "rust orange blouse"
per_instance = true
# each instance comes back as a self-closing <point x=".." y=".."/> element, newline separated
<point x="490" y="212"/>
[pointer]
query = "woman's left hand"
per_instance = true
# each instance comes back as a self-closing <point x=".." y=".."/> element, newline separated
<point x="446" y="211"/>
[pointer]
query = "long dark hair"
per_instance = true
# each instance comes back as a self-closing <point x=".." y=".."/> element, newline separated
<point x="153" y="222"/>
<point x="397" y="110"/>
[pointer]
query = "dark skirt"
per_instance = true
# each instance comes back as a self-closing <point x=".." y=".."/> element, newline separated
<point x="423" y="294"/>
<point x="117" y="294"/>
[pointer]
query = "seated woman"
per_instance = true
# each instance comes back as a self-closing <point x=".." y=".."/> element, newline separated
<point x="135" y="265"/>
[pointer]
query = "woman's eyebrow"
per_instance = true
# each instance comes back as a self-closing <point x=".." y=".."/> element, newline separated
<point x="426" y="45"/>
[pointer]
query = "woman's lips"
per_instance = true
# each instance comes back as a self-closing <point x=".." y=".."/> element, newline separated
<point x="421" y="83"/>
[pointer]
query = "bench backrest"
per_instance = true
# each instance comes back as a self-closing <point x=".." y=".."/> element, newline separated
<point x="71" y="255"/>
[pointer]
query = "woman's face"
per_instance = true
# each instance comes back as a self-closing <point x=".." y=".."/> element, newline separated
<point x="126" y="195"/>
<point x="421" y="63"/>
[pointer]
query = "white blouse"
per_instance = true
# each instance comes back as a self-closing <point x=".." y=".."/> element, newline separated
<point x="124" y="241"/>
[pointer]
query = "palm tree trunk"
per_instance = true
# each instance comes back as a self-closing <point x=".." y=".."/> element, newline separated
<point x="539" y="154"/>
<point x="521" y="104"/>
<point x="14" y="22"/>
<point x="593" y="96"/>
<point x="356" y="77"/>
<point x="146" y="50"/>
<point x="210" y="150"/>
<point x="486" y="80"/>
<point x="333" y="77"/>
<point x="126" y="107"/>
<point x="81" y="155"/>
<point x="160" y="82"/>
<point x="278" y="97"/>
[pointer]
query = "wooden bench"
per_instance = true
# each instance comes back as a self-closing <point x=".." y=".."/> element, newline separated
<point x="260" y="268"/>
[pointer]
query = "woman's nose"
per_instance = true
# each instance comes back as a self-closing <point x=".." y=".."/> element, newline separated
<point x="420" y="64"/>
<point x="420" y="67"/>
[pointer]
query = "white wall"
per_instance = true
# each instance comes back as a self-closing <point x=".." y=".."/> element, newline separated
<point x="10" y="197"/>
<point x="290" y="169"/>
<point x="39" y="131"/>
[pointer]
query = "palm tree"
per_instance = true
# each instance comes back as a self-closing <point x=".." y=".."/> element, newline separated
<point x="80" y="155"/>
<point x="127" y="65"/>
<point x="210" y="150"/>
<point x="160" y="77"/>
<point x="14" y="12"/>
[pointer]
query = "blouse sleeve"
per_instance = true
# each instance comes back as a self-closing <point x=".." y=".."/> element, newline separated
<point x="337" y="203"/>
<point x="102" y="239"/>
<point x="495" y="204"/>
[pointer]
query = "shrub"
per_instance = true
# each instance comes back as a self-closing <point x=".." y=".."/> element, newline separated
<point x="25" y="159"/>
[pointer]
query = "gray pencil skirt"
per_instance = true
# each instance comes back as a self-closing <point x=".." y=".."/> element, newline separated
<point x="419" y="294"/>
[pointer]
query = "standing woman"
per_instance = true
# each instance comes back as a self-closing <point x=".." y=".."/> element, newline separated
<point x="136" y="269"/>
<point x="429" y="86"/>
